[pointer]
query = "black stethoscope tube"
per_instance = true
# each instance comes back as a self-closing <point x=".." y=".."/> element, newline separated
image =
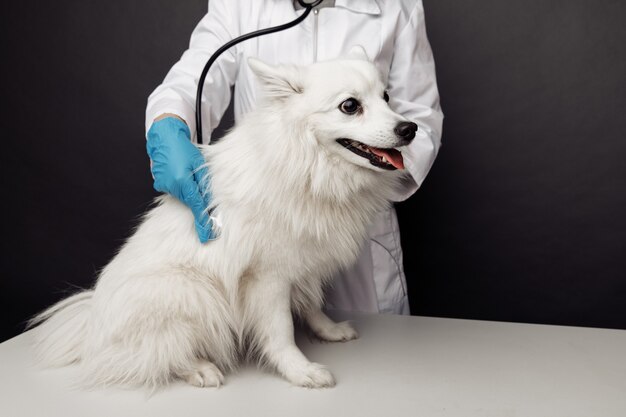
<point x="308" y="7"/>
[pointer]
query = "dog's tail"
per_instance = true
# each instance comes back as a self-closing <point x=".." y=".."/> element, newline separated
<point x="61" y="330"/>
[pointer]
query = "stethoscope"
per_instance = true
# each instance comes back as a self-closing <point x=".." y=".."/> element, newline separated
<point x="307" y="6"/>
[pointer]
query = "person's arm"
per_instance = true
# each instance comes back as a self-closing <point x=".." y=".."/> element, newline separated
<point x="176" y="164"/>
<point x="177" y="94"/>
<point x="412" y="88"/>
<point x="165" y="115"/>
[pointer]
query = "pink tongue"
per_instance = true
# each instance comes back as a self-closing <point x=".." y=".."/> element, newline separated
<point x="393" y="156"/>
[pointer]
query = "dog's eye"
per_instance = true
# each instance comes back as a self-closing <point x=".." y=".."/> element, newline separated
<point x="350" y="106"/>
<point x="386" y="97"/>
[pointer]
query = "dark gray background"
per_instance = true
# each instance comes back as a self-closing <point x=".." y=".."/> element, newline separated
<point x="522" y="217"/>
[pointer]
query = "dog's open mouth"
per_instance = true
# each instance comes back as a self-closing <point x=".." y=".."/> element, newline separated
<point x="383" y="158"/>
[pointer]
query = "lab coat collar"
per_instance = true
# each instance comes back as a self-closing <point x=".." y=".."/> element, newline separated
<point x="359" y="6"/>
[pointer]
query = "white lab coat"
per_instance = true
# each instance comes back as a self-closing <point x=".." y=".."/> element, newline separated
<point x="394" y="36"/>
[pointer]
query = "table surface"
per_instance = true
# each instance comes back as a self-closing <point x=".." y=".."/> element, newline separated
<point x="401" y="366"/>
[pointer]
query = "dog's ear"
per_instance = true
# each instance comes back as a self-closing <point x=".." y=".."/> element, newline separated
<point x="358" y="52"/>
<point x="279" y="81"/>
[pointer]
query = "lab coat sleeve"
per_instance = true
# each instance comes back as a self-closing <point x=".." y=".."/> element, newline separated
<point x="412" y="88"/>
<point x="177" y="93"/>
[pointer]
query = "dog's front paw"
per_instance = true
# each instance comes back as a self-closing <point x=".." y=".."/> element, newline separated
<point x="338" y="332"/>
<point x="312" y="375"/>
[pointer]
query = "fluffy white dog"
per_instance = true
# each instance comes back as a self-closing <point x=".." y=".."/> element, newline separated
<point x="295" y="184"/>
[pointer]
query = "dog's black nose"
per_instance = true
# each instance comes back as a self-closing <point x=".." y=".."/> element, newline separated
<point x="406" y="130"/>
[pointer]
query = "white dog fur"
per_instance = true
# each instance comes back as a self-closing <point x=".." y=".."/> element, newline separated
<point x="294" y="206"/>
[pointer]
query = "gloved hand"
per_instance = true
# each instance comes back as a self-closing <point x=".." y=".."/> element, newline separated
<point x="177" y="170"/>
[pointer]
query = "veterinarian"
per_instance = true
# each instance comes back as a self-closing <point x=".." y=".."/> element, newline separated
<point x="393" y="34"/>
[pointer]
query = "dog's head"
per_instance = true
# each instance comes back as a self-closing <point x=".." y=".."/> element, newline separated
<point x="344" y="105"/>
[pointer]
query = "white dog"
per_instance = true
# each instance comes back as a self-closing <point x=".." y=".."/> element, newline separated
<point x="295" y="184"/>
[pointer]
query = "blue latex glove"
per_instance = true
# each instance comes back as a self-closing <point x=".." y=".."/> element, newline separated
<point x="177" y="170"/>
